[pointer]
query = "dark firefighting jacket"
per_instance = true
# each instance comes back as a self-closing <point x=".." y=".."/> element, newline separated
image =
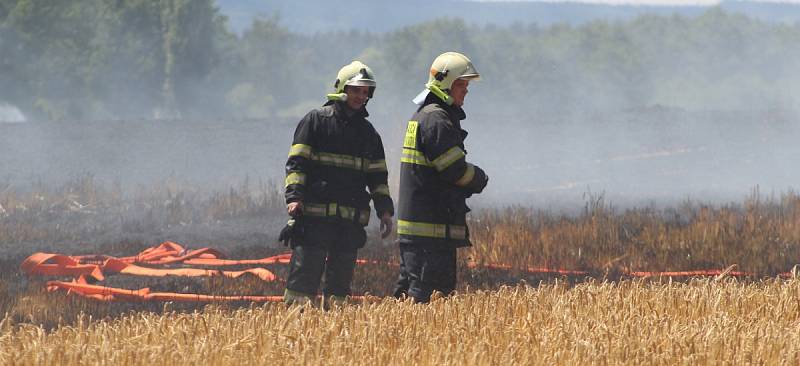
<point x="435" y="178"/>
<point x="333" y="160"/>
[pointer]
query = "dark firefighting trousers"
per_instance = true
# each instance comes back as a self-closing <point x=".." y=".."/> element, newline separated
<point x="328" y="248"/>
<point x="425" y="269"/>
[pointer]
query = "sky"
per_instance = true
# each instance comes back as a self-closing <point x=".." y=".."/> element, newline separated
<point x="646" y="2"/>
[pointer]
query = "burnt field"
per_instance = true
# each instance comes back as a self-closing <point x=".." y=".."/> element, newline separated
<point x="650" y="190"/>
<point x="760" y="236"/>
<point x="497" y="316"/>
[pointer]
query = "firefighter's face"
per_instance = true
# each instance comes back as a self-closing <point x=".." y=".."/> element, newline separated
<point x="458" y="91"/>
<point x="356" y="96"/>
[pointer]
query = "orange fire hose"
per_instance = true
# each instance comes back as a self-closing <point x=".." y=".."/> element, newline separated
<point x="168" y="253"/>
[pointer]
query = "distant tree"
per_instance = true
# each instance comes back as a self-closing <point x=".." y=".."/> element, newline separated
<point x="55" y="42"/>
<point x="81" y="58"/>
<point x="73" y="59"/>
<point x="265" y="59"/>
<point x="188" y="38"/>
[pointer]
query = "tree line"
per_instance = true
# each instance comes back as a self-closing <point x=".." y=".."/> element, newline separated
<point x="122" y="59"/>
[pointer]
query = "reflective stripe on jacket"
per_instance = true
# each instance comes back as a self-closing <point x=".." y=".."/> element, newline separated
<point x="435" y="178"/>
<point x="332" y="162"/>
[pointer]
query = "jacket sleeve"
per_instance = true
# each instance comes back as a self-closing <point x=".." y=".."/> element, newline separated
<point x="377" y="180"/>
<point x="443" y="148"/>
<point x="299" y="161"/>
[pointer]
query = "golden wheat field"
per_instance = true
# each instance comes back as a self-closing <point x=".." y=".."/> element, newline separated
<point x="629" y="322"/>
<point x="498" y="316"/>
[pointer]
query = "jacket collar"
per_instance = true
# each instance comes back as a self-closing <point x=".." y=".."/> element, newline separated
<point x="456" y="113"/>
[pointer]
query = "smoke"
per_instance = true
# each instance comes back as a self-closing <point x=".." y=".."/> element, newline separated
<point x="655" y="155"/>
<point x="10" y="114"/>
<point x="613" y="114"/>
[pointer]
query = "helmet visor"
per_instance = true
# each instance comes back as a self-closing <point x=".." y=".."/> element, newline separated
<point x="362" y="78"/>
<point x="358" y="81"/>
<point x="471" y="73"/>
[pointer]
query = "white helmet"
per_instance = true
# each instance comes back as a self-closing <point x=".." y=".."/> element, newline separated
<point x="356" y="74"/>
<point x="447" y="68"/>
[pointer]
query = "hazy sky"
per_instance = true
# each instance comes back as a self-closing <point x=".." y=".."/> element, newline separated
<point x="645" y="2"/>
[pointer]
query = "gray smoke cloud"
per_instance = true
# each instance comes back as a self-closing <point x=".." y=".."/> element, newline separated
<point x="656" y="144"/>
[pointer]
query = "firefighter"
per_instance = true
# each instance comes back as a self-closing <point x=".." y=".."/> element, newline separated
<point x="336" y="155"/>
<point x="435" y="181"/>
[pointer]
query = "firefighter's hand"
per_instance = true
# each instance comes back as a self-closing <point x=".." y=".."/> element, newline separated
<point x="295" y="209"/>
<point x="386" y="225"/>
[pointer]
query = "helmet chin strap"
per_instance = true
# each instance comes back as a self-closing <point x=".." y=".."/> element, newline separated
<point x="342" y="97"/>
<point x="440" y="93"/>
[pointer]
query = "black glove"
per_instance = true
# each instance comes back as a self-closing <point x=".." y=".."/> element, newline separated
<point x="292" y="233"/>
